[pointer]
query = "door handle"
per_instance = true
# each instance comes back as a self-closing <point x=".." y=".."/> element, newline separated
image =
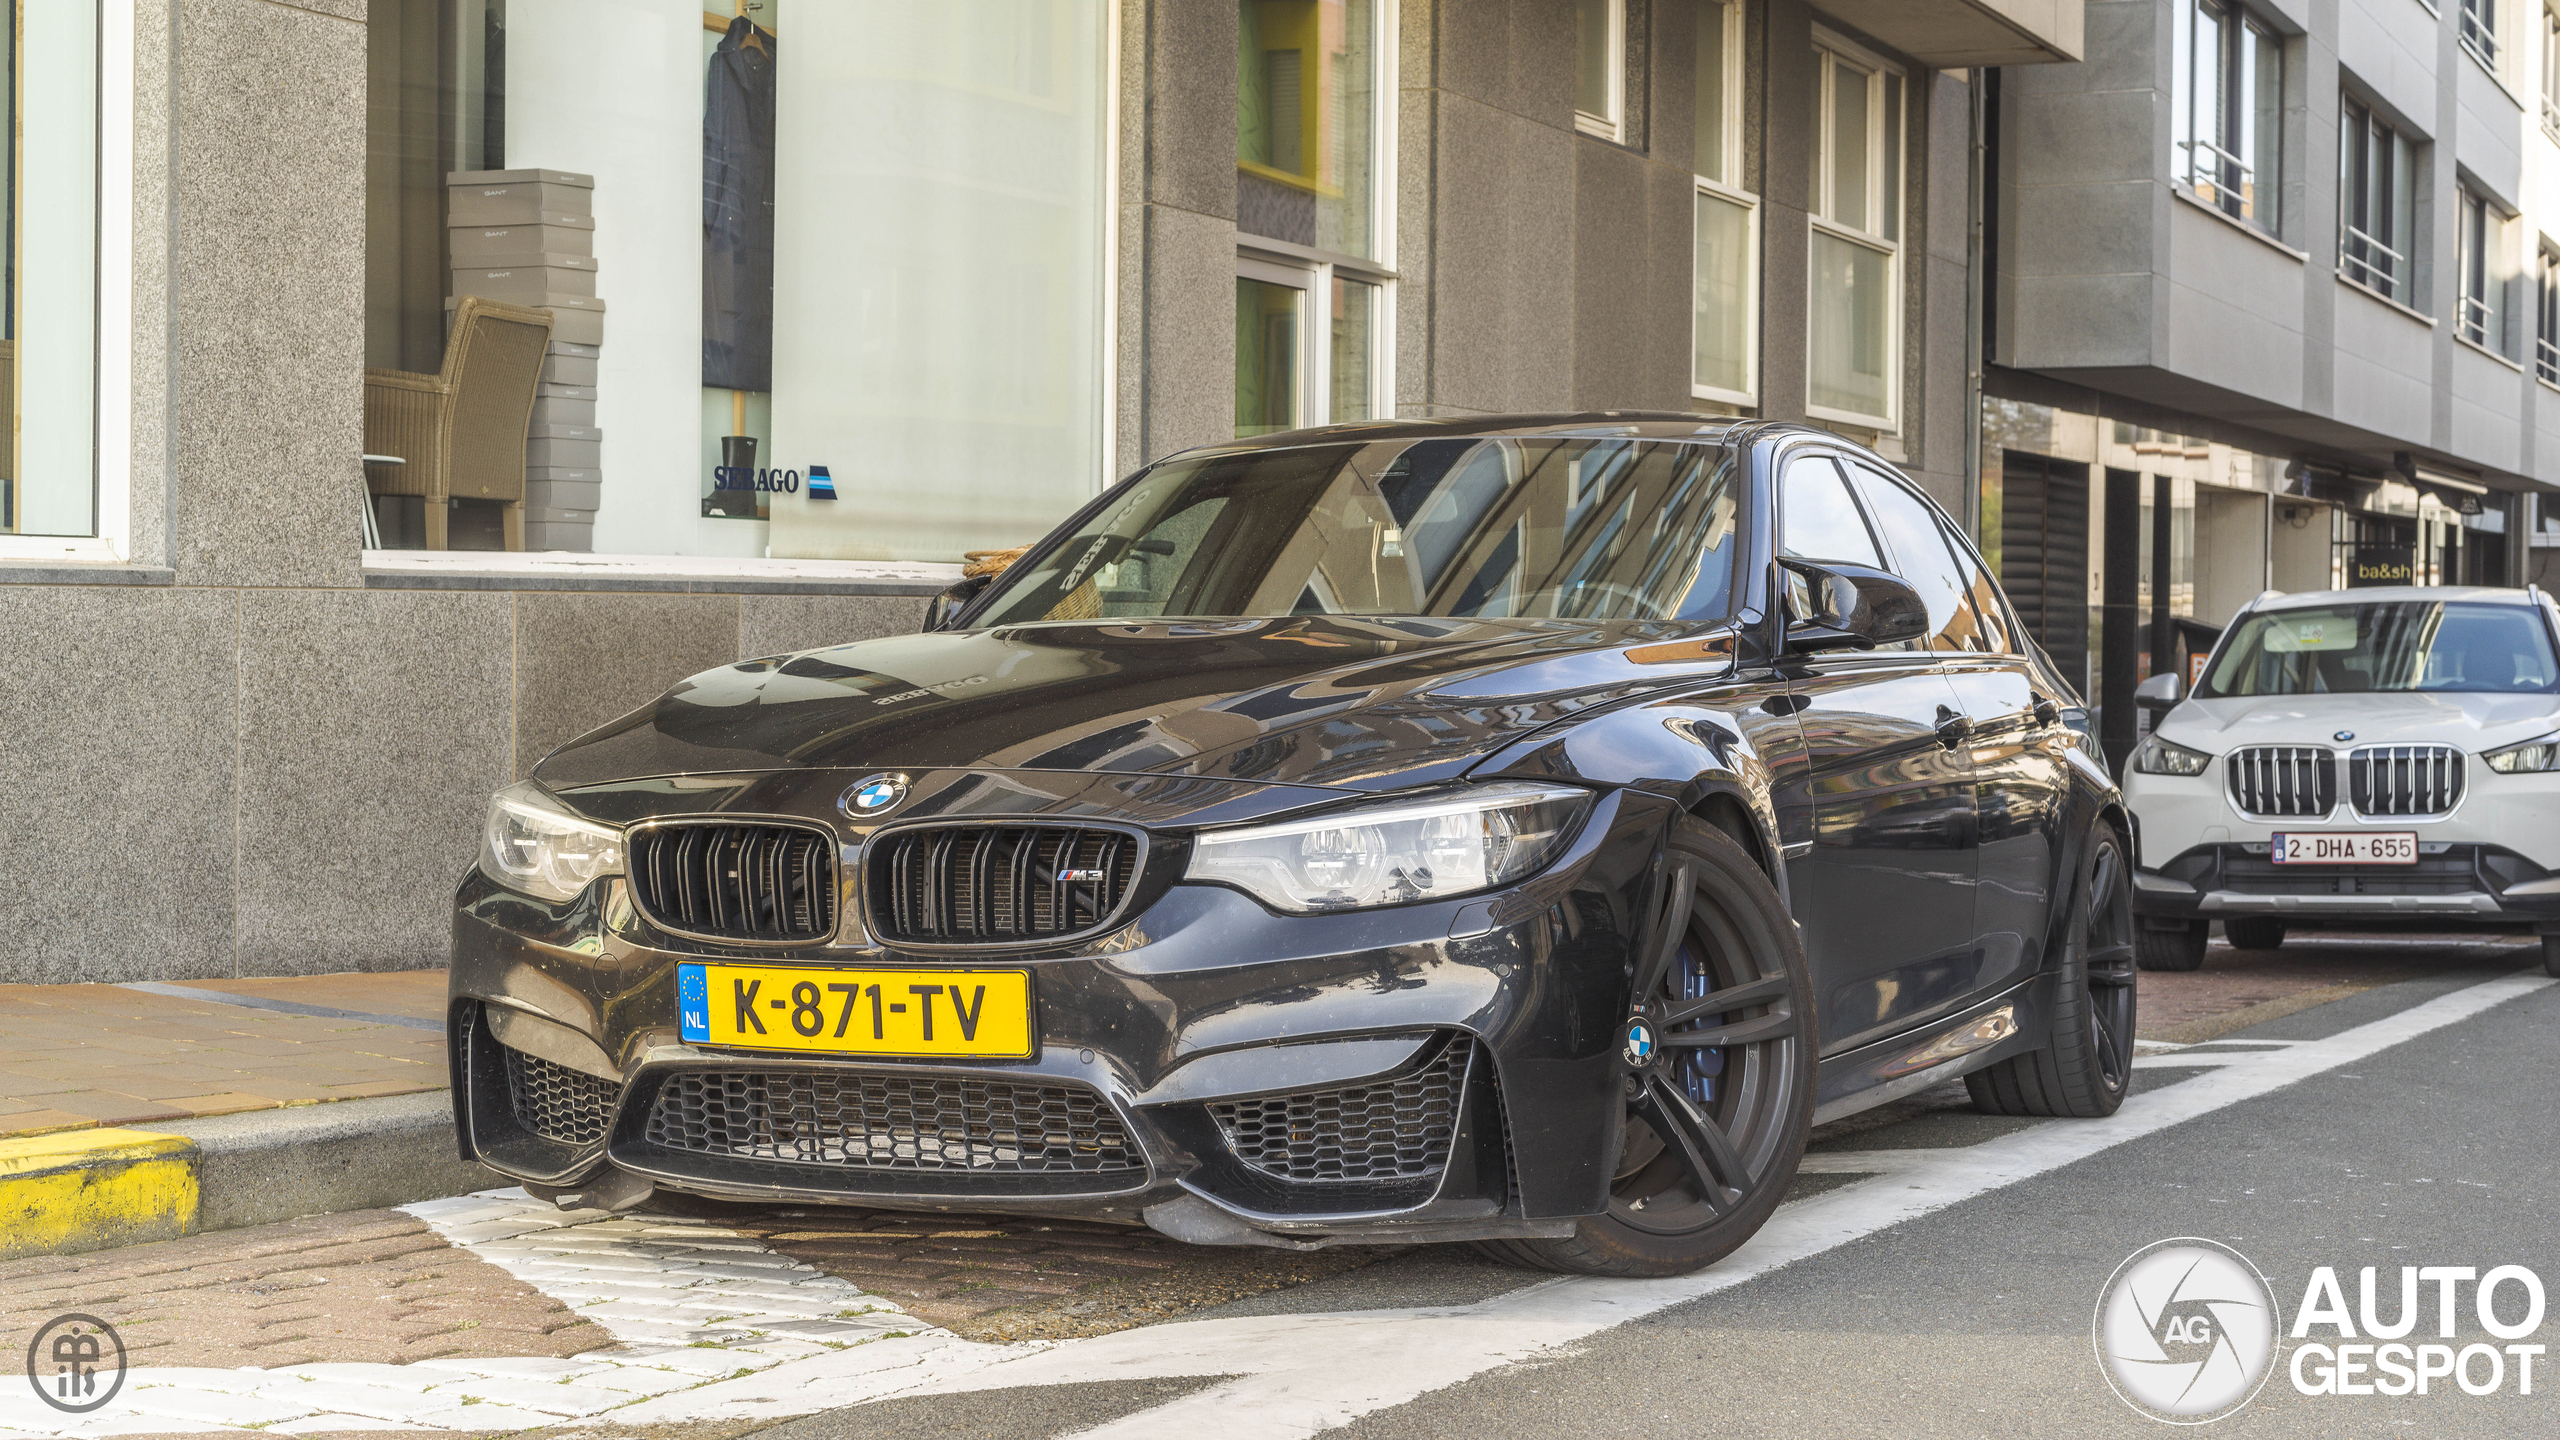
<point x="1953" y="729"/>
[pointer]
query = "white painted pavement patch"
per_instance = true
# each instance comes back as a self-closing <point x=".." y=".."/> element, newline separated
<point x="1303" y="1374"/>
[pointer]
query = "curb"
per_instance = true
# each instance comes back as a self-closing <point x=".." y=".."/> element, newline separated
<point x="81" y="1190"/>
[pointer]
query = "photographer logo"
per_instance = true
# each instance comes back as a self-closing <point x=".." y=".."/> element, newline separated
<point x="76" y="1363"/>
<point x="2186" y="1331"/>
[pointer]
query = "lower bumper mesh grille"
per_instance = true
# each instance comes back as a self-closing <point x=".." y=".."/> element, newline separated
<point x="915" y="1123"/>
<point x="1397" y="1129"/>
<point x="556" y="1102"/>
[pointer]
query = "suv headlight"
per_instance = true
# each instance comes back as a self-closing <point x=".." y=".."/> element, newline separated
<point x="531" y="844"/>
<point x="2532" y="755"/>
<point x="1387" y="854"/>
<point x="2155" y="756"/>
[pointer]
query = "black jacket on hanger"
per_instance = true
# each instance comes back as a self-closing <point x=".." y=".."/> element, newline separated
<point x="737" y="211"/>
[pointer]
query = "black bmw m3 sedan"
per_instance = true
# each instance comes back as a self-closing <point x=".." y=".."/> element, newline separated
<point x="1519" y="832"/>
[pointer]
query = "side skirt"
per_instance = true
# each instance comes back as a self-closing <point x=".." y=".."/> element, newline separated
<point x="1887" y="1070"/>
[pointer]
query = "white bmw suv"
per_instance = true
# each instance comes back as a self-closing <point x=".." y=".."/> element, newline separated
<point x="2354" y="755"/>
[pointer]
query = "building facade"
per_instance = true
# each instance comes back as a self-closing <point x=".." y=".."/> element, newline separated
<point x="964" y="264"/>
<point x="2274" y="303"/>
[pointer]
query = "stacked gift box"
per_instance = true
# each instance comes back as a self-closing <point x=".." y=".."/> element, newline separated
<point x="527" y="237"/>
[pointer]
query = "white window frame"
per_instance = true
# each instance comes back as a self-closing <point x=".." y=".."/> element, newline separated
<point x="2403" y="257"/>
<point x="1876" y="67"/>
<point x="1731" y="192"/>
<point x="2480" y="29"/>
<point x="1277" y="262"/>
<point x="1612" y="126"/>
<point x="2550" y="94"/>
<point x="2483" y="223"/>
<point x="2204" y="125"/>
<point x="2546" y="312"/>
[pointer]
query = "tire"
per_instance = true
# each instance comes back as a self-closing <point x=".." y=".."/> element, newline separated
<point x="2170" y="949"/>
<point x="2254" y="932"/>
<point x="1709" y="1137"/>
<point x="2085" y="1066"/>
<point x="2551" y="954"/>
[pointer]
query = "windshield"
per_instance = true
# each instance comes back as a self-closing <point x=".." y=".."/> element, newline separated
<point x="1586" y="529"/>
<point x="2389" y="645"/>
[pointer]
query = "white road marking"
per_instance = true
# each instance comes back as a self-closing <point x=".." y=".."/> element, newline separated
<point x="1302" y="1374"/>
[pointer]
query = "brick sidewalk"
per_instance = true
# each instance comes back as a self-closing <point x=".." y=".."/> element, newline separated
<point x="2239" y="988"/>
<point x="76" y="1056"/>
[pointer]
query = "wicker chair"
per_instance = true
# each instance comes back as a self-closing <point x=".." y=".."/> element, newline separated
<point x="462" y="431"/>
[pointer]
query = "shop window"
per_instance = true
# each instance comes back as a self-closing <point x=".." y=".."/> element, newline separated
<point x="1853" y="341"/>
<point x="1724" y="332"/>
<point x="2228" y="109"/>
<point x="1600" y="68"/>
<point x="1312" y="287"/>
<point x="2377" y="226"/>
<point x="860" y="240"/>
<point x="49" y="314"/>
<point x="2481" y="244"/>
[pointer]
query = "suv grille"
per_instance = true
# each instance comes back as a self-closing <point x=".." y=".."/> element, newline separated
<point x="1393" y="1130"/>
<point x="556" y="1102"/>
<point x="2404" y="779"/>
<point x="2283" y="780"/>
<point x="893" y="1122"/>
<point x="743" y="882"/>
<point x="991" y="884"/>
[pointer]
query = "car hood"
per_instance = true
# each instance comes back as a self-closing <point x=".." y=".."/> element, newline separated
<point x="1330" y="701"/>
<point x="2472" y="721"/>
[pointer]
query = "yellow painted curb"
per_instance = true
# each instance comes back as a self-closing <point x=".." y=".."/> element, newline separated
<point x="78" y="1190"/>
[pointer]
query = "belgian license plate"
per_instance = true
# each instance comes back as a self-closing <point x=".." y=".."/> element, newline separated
<point x="857" y="1012"/>
<point x="2382" y="847"/>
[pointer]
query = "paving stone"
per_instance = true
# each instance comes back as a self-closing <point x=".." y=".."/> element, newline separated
<point x="549" y="1396"/>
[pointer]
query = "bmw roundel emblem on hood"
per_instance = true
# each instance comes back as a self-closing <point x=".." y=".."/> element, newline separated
<point x="1638" y="1046"/>
<point x="875" y="795"/>
<point x="2343" y="736"/>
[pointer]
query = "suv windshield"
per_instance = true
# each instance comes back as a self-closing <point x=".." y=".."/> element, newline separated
<point x="2386" y="645"/>
<point x="1586" y="529"/>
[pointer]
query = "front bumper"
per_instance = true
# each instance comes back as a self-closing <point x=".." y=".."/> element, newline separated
<point x="1429" y="1072"/>
<point x="2453" y="881"/>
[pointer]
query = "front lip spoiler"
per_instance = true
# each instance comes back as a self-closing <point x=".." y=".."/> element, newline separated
<point x="2222" y="902"/>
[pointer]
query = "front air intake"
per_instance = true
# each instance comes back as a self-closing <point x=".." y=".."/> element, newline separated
<point x="999" y="884"/>
<point x="732" y="881"/>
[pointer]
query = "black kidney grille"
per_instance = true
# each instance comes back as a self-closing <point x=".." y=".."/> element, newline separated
<point x="556" y="1102"/>
<point x="2404" y="779"/>
<point x="893" y="1122"/>
<point x="993" y="884"/>
<point x="747" y="882"/>
<point x="2282" y="780"/>
<point x="1393" y="1130"/>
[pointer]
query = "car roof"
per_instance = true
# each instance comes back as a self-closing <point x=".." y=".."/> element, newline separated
<point x="2368" y="595"/>
<point x="1636" y="424"/>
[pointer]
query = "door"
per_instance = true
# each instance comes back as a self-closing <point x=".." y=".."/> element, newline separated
<point x="1885" y="889"/>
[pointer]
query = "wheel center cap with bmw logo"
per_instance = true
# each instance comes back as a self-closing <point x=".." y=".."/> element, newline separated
<point x="875" y="795"/>
<point x="1638" y="1046"/>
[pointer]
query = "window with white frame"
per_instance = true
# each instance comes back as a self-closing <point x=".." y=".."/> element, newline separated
<point x="1313" y="286"/>
<point x="2481" y="247"/>
<point x="2229" y="108"/>
<point x="1853" y="349"/>
<point x="2480" y="33"/>
<point x="1600" y="68"/>
<point x="2377" y="227"/>
<point x="1724" y="329"/>
<point x="49" y="315"/>
<point x="2551" y="72"/>
<point x="2546" y="333"/>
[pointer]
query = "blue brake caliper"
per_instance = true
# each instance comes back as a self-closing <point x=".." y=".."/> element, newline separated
<point x="1698" y="1071"/>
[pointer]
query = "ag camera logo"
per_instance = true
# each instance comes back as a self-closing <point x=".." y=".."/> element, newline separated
<point x="2186" y="1331"/>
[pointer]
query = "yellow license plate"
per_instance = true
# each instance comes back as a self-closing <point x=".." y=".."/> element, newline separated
<point x="857" y="1012"/>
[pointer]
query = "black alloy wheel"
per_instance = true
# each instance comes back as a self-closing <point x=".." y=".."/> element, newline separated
<point x="2085" y="1066"/>
<point x="1717" y="1072"/>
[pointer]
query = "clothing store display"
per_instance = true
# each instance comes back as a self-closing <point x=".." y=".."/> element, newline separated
<point x="518" y="197"/>
<point x="567" y="364"/>
<point x="526" y="284"/>
<point x="548" y="410"/>
<point x="471" y="243"/>
<point x="737" y="210"/>
<point x="541" y="450"/>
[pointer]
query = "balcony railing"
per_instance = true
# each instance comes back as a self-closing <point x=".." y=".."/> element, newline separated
<point x="2372" y="264"/>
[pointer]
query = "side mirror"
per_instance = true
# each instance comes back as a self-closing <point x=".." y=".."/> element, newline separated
<point x="2161" y="692"/>
<point x="1834" y="605"/>
<point x="939" y="613"/>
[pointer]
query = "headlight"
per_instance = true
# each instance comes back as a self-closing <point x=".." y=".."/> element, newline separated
<point x="2155" y="756"/>
<point x="531" y="844"/>
<point x="2532" y="755"/>
<point x="1390" y="853"/>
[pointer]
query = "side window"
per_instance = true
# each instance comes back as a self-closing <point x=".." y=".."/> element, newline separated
<point x="1985" y="595"/>
<point x="1921" y="556"/>
<point x="1819" y="521"/>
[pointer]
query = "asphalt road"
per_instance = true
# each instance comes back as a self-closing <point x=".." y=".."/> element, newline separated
<point x="1970" y="1317"/>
